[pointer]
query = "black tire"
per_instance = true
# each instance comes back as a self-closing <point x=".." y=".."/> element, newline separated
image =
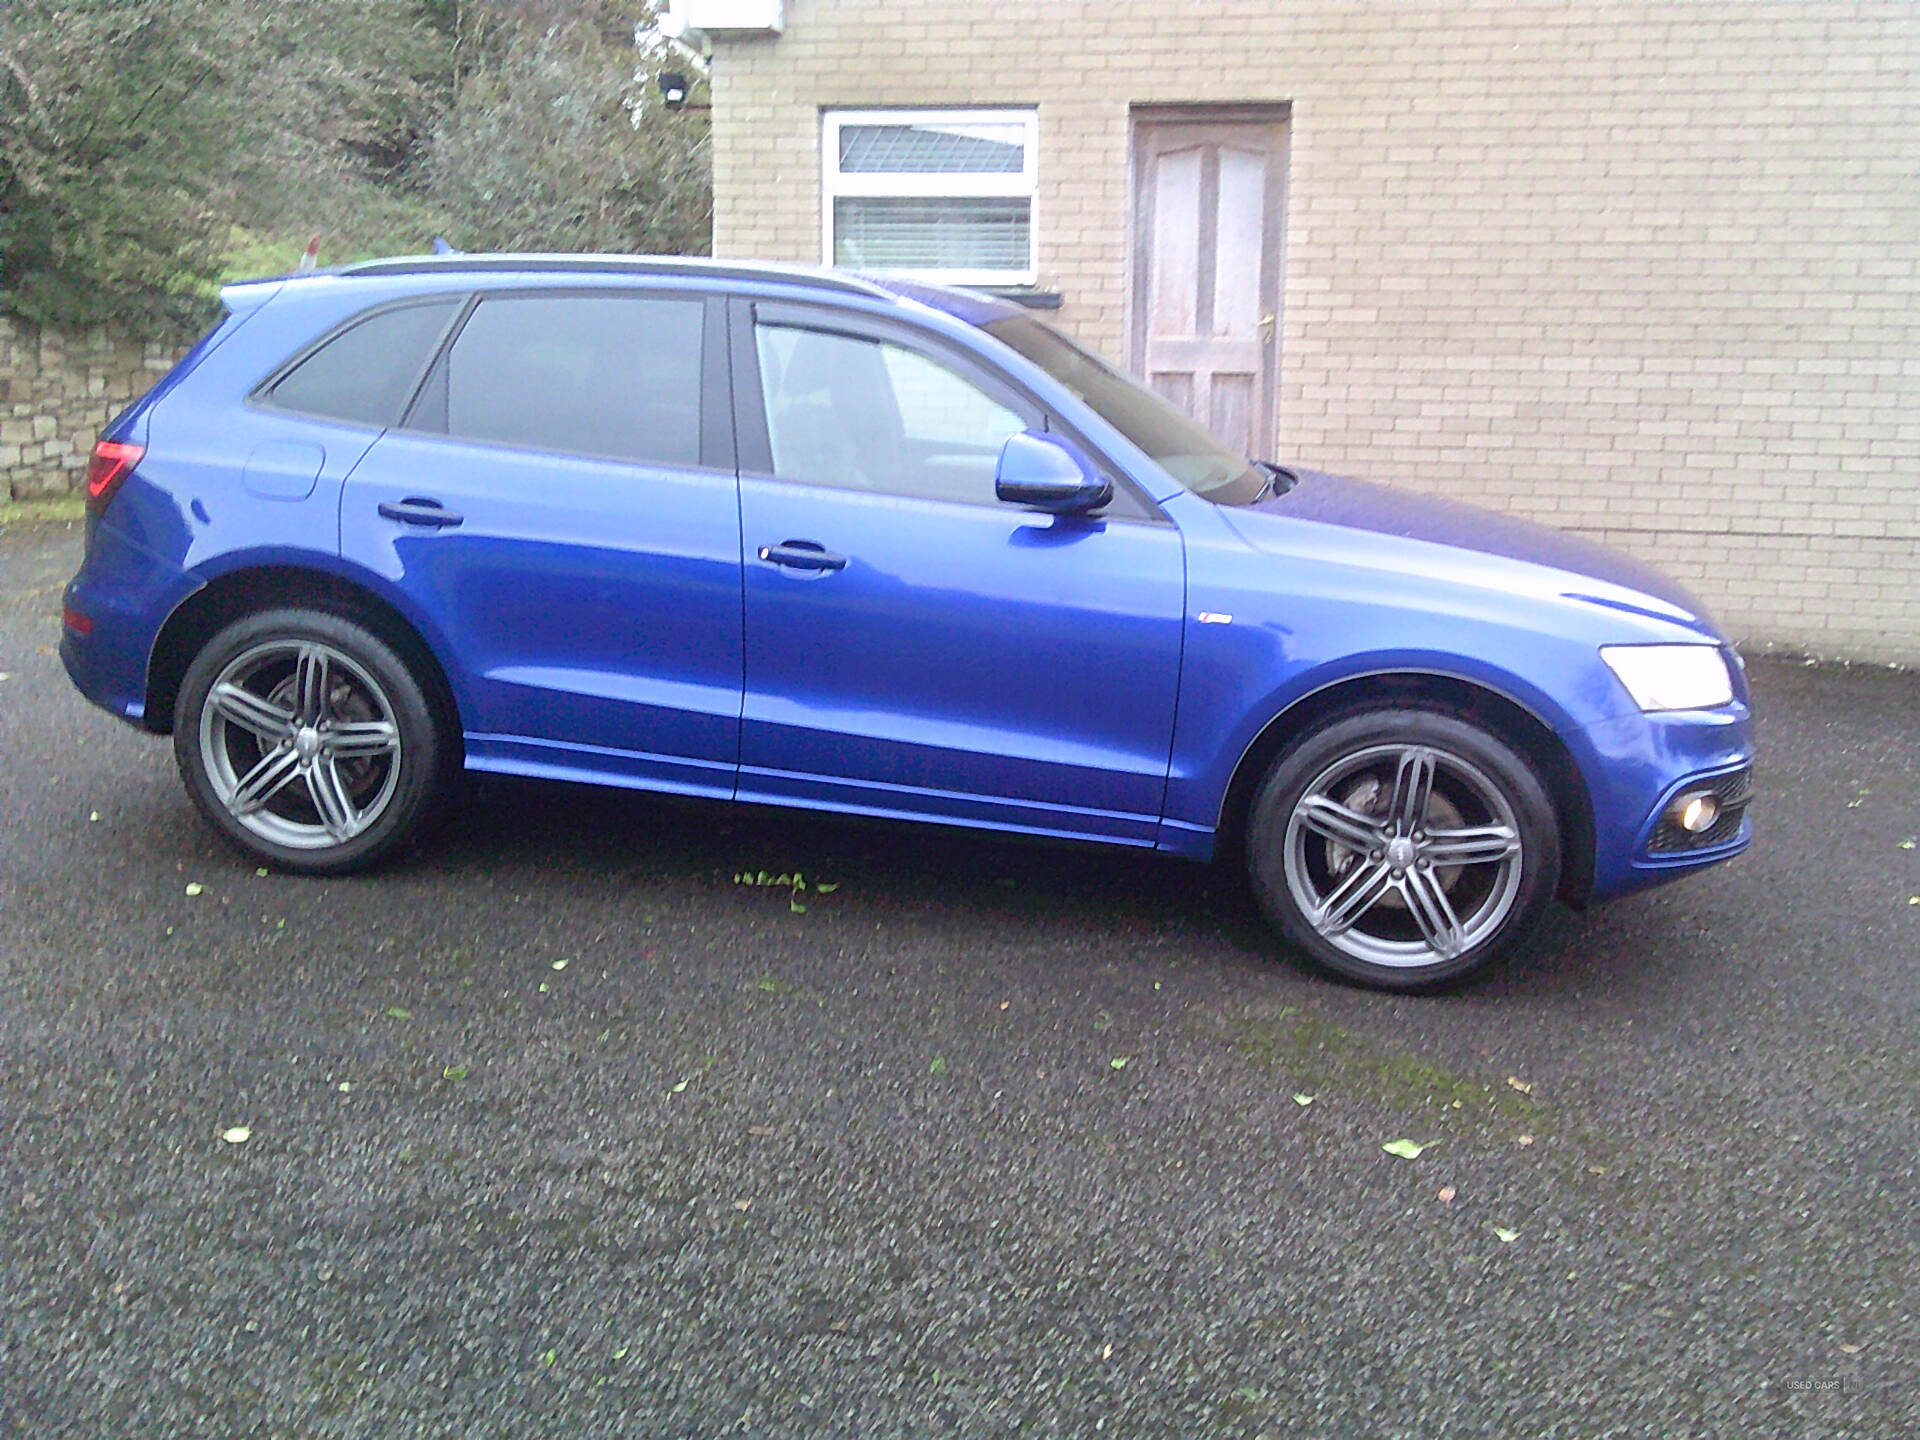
<point x="308" y="742"/>
<point x="1347" y="846"/>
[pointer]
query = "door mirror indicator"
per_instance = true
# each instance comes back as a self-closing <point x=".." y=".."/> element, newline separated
<point x="1044" y="472"/>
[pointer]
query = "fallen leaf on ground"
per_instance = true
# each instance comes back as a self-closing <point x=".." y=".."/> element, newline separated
<point x="1506" y="1237"/>
<point x="1119" y="1062"/>
<point x="761" y="1130"/>
<point x="939" y="1065"/>
<point x="1405" y="1149"/>
<point x="743" y="1204"/>
<point x="678" y="1088"/>
<point x="1907" y="844"/>
<point x="1447" y="1192"/>
<point x="454" y="1072"/>
<point x="345" y="1087"/>
<point x="1514" y="1082"/>
<point x="399" y="1012"/>
<point x="1523" y="1140"/>
<point x="1304" y="1099"/>
<point x="261" y="872"/>
<point x="1851" y="1349"/>
<point x="195" y="888"/>
<point x="93" y="815"/>
<point x="559" y="964"/>
<point x="238" y="1135"/>
<point x="826" y="889"/>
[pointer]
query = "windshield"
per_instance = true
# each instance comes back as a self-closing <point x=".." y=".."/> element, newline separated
<point x="1180" y="447"/>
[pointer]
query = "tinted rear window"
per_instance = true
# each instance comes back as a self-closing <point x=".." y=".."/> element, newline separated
<point x="365" y="373"/>
<point x="598" y="374"/>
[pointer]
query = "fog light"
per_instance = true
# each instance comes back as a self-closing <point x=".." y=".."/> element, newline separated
<point x="1695" y="814"/>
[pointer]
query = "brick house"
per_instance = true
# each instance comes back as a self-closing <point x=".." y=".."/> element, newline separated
<point x="1643" y="271"/>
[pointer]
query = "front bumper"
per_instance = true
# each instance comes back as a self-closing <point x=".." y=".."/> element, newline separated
<point x="1639" y="765"/>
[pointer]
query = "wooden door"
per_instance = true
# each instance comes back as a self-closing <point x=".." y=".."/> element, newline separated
<point x="1209" y="192"/>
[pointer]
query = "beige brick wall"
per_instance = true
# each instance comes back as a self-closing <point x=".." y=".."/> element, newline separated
<point x="1650" y="272"/>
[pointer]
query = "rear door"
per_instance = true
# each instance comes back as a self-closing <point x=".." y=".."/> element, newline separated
<point x="913" y="645"/>
<point x="561" y="504"/>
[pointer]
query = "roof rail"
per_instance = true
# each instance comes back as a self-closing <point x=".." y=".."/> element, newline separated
<point x="618" y="265"/>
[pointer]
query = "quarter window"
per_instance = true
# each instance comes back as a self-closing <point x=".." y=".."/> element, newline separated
<point x="862" y="414"/>
<point x="942" y="195"/>
<point x="599" y="374"/>
<point x="364" y="374"/>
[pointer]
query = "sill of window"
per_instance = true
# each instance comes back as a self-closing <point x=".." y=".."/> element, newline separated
<point x="1022" y="295"/>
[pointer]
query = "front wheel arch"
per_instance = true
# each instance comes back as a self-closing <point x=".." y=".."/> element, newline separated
<point x="1477" y="704"/>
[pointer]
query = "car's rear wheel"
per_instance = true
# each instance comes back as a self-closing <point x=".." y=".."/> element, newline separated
<point x="1403" y="848"/>
<point x="308" y="741"/>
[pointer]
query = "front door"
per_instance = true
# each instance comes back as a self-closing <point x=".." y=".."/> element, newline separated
<point x="1209" y="191"/>
<point x="913" y="645"/>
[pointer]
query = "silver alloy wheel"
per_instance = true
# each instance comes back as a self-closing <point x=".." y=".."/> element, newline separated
<point x="1403" y="855"/>
<point x="300" y="744"/>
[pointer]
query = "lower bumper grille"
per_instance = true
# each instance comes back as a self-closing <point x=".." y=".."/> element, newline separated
<point x="1734" y="791"/>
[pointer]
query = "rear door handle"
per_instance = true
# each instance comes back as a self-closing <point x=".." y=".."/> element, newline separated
<point x="417" y="510"/>
<point x="802" y="555"/>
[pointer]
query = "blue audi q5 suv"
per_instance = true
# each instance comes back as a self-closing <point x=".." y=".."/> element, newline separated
<point x="803" y="538"/>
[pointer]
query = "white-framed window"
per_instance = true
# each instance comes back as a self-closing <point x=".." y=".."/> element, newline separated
<point x="937" y="194"/>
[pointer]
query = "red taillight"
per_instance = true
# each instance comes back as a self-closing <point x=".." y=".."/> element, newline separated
<point x="112" y="462"/>
<point x="77" y="621"/>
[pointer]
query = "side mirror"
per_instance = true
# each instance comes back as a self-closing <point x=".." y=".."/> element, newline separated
<point x="1046" y="473"/>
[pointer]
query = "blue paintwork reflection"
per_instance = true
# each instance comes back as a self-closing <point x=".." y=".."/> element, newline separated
<point x="971" y="661"/>
<point x="588" y="603"/>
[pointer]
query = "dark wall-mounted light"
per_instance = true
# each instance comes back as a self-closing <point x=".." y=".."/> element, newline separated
<point x="675" y="88"/>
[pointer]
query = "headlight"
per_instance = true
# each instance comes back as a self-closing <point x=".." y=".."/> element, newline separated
<point x="1671" y="677"/>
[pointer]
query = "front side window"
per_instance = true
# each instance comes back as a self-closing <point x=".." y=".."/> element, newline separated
<point x="862" y="414"/>
<point x="601" y="374"/>
<point x="941" y="195"/>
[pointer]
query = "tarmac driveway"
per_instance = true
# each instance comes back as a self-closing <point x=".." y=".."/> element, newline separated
<point x="557" y="1129"/>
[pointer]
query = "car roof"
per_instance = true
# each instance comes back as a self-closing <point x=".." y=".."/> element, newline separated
<point x="969" y="307"/>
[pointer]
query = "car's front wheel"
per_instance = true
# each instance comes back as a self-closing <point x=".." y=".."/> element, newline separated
<point x="1403" y="848"/>
<point x="307" y="741"/>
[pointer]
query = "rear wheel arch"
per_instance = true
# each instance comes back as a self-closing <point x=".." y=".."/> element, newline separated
<point x="1477" y="704"/>
<point x="239" y="593"/>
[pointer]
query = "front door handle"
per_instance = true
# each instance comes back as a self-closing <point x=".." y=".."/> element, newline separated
<point x="417" y="510"/>
<point x="802" y="555"/>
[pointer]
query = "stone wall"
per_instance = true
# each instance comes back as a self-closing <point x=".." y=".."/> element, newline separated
<point x="56" y="392"/>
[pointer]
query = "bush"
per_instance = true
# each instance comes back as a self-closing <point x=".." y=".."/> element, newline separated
<point x="115" y="128"/>
<point x="142" y="141"/>
<point x="558" y="141"/>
